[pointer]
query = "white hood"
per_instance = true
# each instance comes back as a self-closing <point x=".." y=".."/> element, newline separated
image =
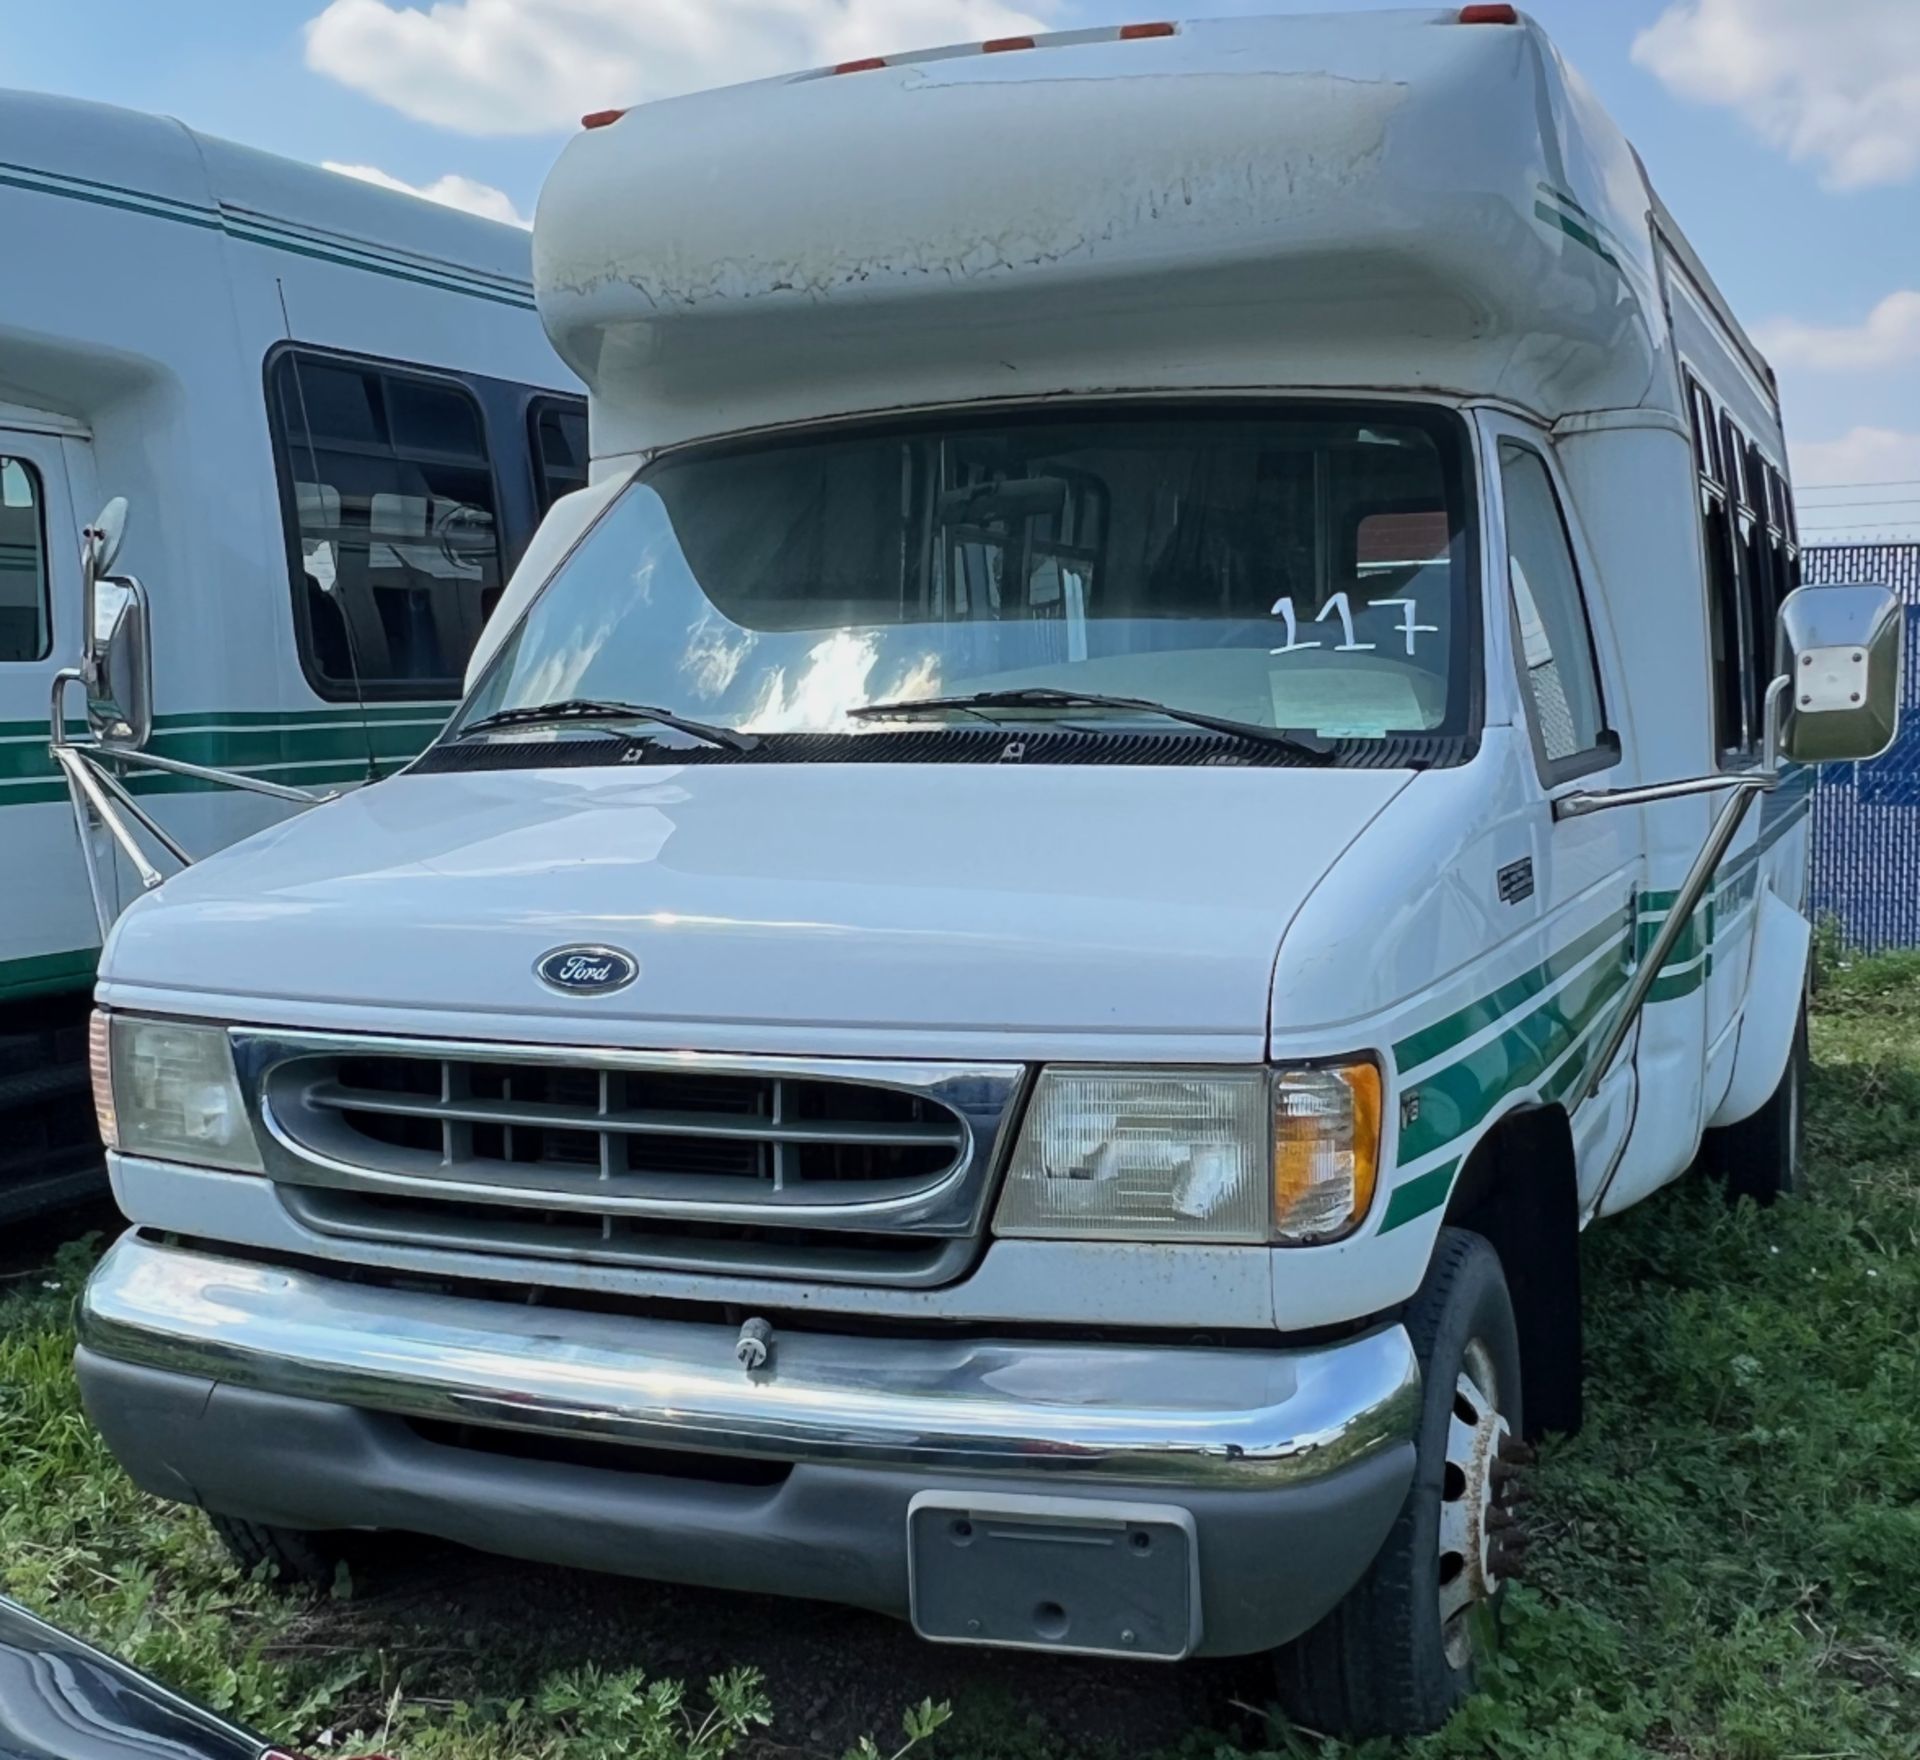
<point x="1067" y="909"/>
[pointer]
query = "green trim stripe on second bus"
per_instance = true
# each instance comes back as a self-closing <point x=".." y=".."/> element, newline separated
<point x="297" y="746"/>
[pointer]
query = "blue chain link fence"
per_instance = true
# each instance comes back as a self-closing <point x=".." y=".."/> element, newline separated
<point x="1866" y="817"/>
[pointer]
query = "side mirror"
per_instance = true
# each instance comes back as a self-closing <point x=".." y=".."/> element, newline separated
<point x="117" y="667"/>
<point x="1839" y="655"/>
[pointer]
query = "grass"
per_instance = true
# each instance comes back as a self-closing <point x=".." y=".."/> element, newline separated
<point x="1727" y="1561"/>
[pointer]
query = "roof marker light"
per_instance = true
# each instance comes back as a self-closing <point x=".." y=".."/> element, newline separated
<point x="1489" y="15"/>
<point x="1002" y="45"/>
<point x="866" y="64"/>
<point x="601" y="118"/>
<point x="1132" y="33"/>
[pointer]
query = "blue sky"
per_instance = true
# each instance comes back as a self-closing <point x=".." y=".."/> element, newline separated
<point x="1785" y="134"/>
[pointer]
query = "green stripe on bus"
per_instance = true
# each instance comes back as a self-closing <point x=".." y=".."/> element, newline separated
<point x="390" y="743"/>
<point x="1455" y="1100"/>
<point x="474" y="283"/>
<point x="44" y="974"/>
<point x="1476" y="1017"/>
<point x="1574" y="230"/>
<point x="434" y="711"/>
<point x="1417" y="1196"/>
<point x="132" y="202"/>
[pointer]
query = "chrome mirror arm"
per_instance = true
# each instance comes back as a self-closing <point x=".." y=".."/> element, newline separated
<point x="96" y="793"/>
<point x="1647" y="971"/>
<point x="1765" y="778"/>
<point x="278" y="791"/>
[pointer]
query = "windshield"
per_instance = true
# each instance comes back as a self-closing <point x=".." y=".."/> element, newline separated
<point x="1303" y="569"/>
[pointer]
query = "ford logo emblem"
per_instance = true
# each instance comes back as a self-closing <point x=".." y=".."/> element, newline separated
<point x="587" y="971"/>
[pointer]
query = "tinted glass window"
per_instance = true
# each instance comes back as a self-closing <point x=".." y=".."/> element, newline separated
<point x="1556" y="644"/>
<point x="1706" y="436"/>
<point x="559" y="450"/>
<point x="25" y="623"/>
<point x="1726" y="616"/>
<point x="394" y="524"/>
<point x="1303" y="570"/>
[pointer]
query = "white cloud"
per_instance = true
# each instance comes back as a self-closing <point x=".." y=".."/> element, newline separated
<point x="1862" y="455"/>
<point x="1879" y="466"/>
<point x="452" y="191"/>
<point x="529" y="66"/>
<point x="1833" y="81"/>
<point x="1889" y="337"/>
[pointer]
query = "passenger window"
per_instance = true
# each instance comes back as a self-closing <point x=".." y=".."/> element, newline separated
<point x="1724" y="614"/>
<point x="393" y="526"/>
<point x="559" y="432"/>
<point x="1789" y="536"/>
<point x="1555" y="640"/>
<point x="25" y="614"/>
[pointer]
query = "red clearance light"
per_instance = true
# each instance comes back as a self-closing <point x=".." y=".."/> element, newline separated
<point x="1489" y="15"/>
<point x="1001" y="45"/>
<point x="1132" y="33"/>
<point x="866" y="64"/>
<point x="601" y="118"/>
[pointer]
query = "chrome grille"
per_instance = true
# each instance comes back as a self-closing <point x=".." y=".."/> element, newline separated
<point x="853" y="1170"/>
<point x="615" y="1134"/>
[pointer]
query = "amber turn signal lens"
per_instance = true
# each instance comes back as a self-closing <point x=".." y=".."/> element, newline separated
<point x="1326" y="1150"/>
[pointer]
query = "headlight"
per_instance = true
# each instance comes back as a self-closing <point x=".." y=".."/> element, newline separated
<point x="167" y="1089"/>
<point x="1247" y="1156"/>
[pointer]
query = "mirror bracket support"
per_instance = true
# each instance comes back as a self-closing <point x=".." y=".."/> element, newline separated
<point x="1762" y="780"/>
<point x="1726" y="824"/>
<point x="98" y="794"/>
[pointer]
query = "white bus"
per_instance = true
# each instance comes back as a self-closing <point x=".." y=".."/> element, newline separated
<point x="340" y="420"/>
<point x="1170" y="744"/>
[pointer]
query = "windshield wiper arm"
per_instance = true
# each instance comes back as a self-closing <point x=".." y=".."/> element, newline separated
<point x="1306" y="745"/>
<point x="591" y="709"/>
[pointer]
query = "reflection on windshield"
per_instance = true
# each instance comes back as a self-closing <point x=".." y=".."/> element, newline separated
<point x="1302" y="569"/>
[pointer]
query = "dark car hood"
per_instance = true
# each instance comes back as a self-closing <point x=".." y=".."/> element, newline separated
<point x="62" y="1700"/>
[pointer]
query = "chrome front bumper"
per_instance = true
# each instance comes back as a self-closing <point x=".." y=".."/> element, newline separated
<point x="1104" y="1413"/>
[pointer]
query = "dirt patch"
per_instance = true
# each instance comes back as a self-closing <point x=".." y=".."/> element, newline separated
<point x="468" y="1627"/>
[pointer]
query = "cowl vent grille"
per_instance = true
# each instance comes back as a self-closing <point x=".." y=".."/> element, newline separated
<point x="942" y="745"/>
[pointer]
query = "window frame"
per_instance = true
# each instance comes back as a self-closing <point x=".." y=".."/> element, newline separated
<point x="1606" y="750"/>
<point x="539" y="406"/>
<point x="1752" y="574"/>
<point x="37" y="482"/>
<point x="1788" y="537"/>
<point x="1461" y="464"/>
<point x="1721" y="552"/>
<point x="381" y="690"/>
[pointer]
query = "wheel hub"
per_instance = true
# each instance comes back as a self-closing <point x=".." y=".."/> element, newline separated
<point x="1478" y="1543"/>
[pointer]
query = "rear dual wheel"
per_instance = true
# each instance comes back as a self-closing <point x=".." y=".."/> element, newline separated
<point x="1400" y="1652"/>
<point x="1759" y="1158"/>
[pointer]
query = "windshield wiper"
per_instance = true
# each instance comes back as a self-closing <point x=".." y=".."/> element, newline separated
<point x="1305" y="745"/>
<point x="590" y="709"/>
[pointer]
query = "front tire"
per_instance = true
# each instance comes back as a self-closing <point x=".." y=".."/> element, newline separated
<point x="1760" y="1157"/>
<point x="1398" y="1655"/>
<point x="296" y="1558"/>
